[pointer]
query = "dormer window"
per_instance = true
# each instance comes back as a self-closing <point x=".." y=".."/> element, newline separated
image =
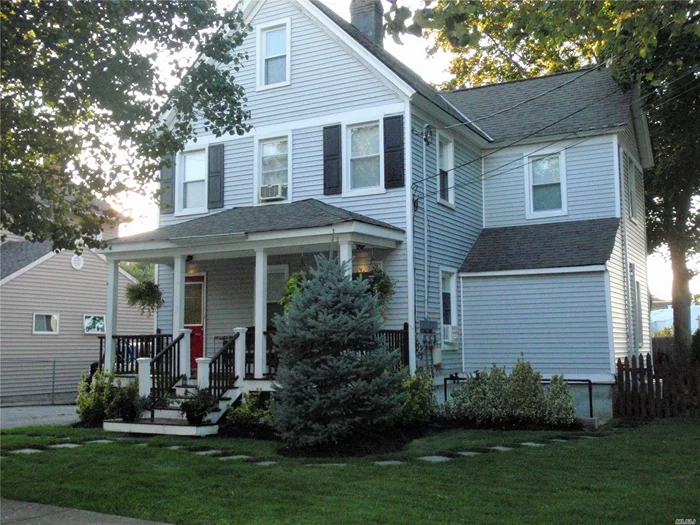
<point x="273" y="55"/>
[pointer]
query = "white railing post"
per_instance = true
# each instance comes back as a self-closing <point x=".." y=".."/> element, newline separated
<point x="203" y="372"/>
<point x="144" y="364"/>
<point x="239" y="355"/>
<point x="185" y="350"/>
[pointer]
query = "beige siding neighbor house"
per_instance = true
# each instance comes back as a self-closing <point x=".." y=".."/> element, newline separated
<point x="52" y="311"/>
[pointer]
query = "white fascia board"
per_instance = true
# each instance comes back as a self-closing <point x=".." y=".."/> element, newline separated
<point x="27" y="268"/>
<point x="539" y="271"/>
<point x="566" y="140"/>
<point x="466" y="118"/>
<point x="399" y="85"/>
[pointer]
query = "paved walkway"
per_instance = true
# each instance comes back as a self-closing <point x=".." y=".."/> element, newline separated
<point x="37" y="514"/>
<point x="13" y="417"/>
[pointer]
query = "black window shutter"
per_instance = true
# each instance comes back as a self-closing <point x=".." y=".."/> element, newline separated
<point x="393" y="152"/>
<point x="216" y="176"/>
<point x="332" y="161"/>
<point x="167" y="187"/>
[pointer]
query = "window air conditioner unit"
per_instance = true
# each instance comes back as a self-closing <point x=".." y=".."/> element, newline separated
<point x="450" y="333"/>
<point x="273" y="192"/>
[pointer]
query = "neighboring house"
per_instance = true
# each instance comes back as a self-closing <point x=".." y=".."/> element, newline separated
<point x="534" y="249"/>
<point x="663" y="318"/>
<point x="52" y="310"/>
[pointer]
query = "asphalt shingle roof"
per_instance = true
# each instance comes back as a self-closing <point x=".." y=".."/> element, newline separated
<point x="308" y="213"/>
<point x="407" y="74"/>
<point x="612" y="107"/>
<point x="15" y="255"/>
<point x="538" y="246"/>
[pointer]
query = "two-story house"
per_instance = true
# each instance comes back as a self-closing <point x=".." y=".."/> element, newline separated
<point x="511" y="217"/>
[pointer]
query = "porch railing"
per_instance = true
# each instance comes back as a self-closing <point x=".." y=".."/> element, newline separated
<point x="165" y="372"/>
<point x="222" y="369"/>
<point x="397" y="340"/>
<point x="128" y="348"/>
<point x="272" y="361"/>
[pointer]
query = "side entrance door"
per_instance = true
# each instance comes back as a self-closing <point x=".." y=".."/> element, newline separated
<point x="195" y="313"/>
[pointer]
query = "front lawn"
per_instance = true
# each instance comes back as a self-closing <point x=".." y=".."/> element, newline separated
<point x="646" y="475"/>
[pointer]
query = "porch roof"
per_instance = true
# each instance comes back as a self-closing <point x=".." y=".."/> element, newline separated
<point x="308" y="213"/>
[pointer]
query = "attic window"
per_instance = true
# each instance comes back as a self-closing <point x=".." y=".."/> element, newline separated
<point x="546" y="185"/>
<point x="273" y="53"/>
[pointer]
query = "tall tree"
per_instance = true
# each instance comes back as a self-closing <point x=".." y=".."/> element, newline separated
<point x="83" y="101"/>
<point x="655" y="44"/>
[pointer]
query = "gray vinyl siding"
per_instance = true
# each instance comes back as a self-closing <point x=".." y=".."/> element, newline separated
<point x="618" y="302"/>
<point x="164" y="315"/>
<point x="451" y="232"/>
<point x="590" y="179"/>
<point x="55" y="287"/>
<point x="557" y="322"/>
<point x="326" y="79"/>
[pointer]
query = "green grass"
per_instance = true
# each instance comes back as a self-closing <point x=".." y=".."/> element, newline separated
<point x="646" y="475"/>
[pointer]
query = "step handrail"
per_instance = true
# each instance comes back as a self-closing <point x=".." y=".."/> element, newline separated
<point x="165" y="372"/>
<point x="222" y="368"/>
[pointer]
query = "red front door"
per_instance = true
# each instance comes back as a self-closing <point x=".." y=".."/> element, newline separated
<point x="195" y="305"/>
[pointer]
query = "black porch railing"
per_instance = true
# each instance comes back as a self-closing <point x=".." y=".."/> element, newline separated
<point x="272" y="361"/>
<point x="222" y="369"/>
<point x="128" y="348"/>
<point x="397" y="340"/>
<point x="165" y="372"/>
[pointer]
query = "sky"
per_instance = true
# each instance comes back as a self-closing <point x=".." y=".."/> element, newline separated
<point x="433" y="69"/>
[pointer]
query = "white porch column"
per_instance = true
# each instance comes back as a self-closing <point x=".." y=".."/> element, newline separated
<point x="179" y="294"/>
<point x="346" y="254"/>
<point x="144" y="364"/>
<point x="111" y="320"/>
<point x="185" y="353"/>
<point x="260" y="312"/>
<point x="239" y="355"/>
<point x="203" y="372"/>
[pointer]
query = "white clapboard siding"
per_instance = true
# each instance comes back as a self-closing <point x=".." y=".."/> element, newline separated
<point x="557" y="322"/>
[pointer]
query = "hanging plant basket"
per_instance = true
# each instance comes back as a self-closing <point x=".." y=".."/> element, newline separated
<point x="146" y="295"/>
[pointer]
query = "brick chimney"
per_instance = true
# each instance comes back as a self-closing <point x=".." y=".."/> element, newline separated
<point x="368" y="17"/>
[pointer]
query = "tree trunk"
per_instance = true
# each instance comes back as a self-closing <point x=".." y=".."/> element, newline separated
<point x="681" y="299"/>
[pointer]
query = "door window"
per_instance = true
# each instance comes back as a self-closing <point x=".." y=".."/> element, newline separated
<point x="194" y="303"/>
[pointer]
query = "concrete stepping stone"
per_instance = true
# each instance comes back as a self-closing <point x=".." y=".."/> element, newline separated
<point x="208" y="452"/>
<point x="326" y="464"/>
<point x="100" y="441"/>
<point x="469" y="453"/>
<point x="26" y="451"/>
<point x="266" y="463"/>
<point x="387" y="463"/>
<point x="501" y="449"/>
<point x="175" y="447"/>
<point x="555" y="440"/>
<point x="531" y="444"/>
<point x="588" y="437"/>
<point x="434" y="459"/>
<point x="141" y="445"/>
<point x="65" y="445"/>
<point x="230" y="458"/>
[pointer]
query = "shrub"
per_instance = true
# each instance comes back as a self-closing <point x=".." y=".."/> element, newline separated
<point x="695" y="349"/>
<point x="335" y="381"/>
<point x="420" y="406"/>
<point x="127" y="403"/>
<point x="526" y="394"/>
<point x="252" y="417"/>
<point x="95" y="397"/>
<point x="560" y="404"/>
<point x="483" y="398"/>
<point x="198" y="405"/>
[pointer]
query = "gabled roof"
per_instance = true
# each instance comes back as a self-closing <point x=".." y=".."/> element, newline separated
<point x="611" y="108"/>
<point x="405" y="73"/>
<point x="308" y="213"/>
<point x="15" y="255"/>
<point x="539" y="246"/>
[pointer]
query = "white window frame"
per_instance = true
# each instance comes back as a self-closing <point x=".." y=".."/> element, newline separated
<point x="94" y="315"/>
<point x="529" y="208"/>
<point x="260" y="49"/>
<point x="348" y="191"/>
<point x="450" y="202"/>
<point x="58" y="323"/>
<point x="259" y="139"/>
<point x="453" y="302"/>
<point x="180" y="210"/>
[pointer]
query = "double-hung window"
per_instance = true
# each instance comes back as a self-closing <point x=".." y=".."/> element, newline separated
<point x="546" y="185"/>
<point x="448" y="309"/>
<point x="274" y="169"/>
<point x="446" y="192"/>
<point x="45" y="324"/>
<point x="365" y="164"/>
<point x="273" y="48"/>
<point x="194" y="181"/>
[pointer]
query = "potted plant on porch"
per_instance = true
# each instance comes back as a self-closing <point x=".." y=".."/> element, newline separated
<point x="198" y="405"/>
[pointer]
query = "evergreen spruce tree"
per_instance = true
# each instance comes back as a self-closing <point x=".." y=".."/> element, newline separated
<point x="336" y="381"/>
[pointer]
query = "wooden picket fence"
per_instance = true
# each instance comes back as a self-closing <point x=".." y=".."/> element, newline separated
<point x="656" y="387"/>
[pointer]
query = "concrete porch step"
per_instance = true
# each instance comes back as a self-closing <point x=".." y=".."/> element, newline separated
<point x="161" y="426"/>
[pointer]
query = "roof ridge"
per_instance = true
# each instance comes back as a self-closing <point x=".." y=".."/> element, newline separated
<point x="559" y="73"/>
